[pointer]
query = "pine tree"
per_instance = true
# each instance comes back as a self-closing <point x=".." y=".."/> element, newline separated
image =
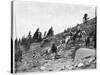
<point x="65" y="31"/>
<point x="54" y="48"/>
<point x="29" y="37"/>
<point x="50" y="32"/>
<point x="40" y="36"/>
<point x="44" y="34"/>
<point x="23" y="40"/>
<point x="36" y="34"/>
<point x="85" y="18"/>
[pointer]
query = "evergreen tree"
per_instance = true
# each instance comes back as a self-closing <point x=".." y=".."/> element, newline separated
<point x="54" y="48"/>
<point x="65" y="31"/>
<point x="44" y="34"/>
<point x="40" y="36"/>
<point x="50" y="32"/>
<point x="36" y="34"/>
<point x="29" y="37"/>
<point x="85" y="18"/>
<point x="23" y="41"/>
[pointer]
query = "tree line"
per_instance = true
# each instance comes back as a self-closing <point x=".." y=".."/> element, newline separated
<point x="36" y="37"/>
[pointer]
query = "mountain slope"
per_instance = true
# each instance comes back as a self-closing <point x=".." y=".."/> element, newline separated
<point x="39" y="57"/>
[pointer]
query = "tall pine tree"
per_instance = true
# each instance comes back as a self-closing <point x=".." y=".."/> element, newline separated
<point x="36" y="34"/>
<point x="50" y="32"/>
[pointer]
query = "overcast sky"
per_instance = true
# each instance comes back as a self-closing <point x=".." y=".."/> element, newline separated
<point x="28" y="16"/>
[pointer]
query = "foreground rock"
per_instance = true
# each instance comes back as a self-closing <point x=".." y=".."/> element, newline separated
<point x="84" y="56"/>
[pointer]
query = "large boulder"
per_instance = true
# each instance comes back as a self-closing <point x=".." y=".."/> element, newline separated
<point x="82" y="54"/>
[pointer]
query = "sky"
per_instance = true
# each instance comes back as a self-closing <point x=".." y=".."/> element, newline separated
<point x="28" y="16"/>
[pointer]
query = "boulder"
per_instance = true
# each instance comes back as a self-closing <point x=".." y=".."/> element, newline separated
<point x="82" y="53"/>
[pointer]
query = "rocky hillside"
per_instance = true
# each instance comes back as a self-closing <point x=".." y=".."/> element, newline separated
<point x="40" y="58"/>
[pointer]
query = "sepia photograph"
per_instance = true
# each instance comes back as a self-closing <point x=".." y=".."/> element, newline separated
<point x="52" y="37"/>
